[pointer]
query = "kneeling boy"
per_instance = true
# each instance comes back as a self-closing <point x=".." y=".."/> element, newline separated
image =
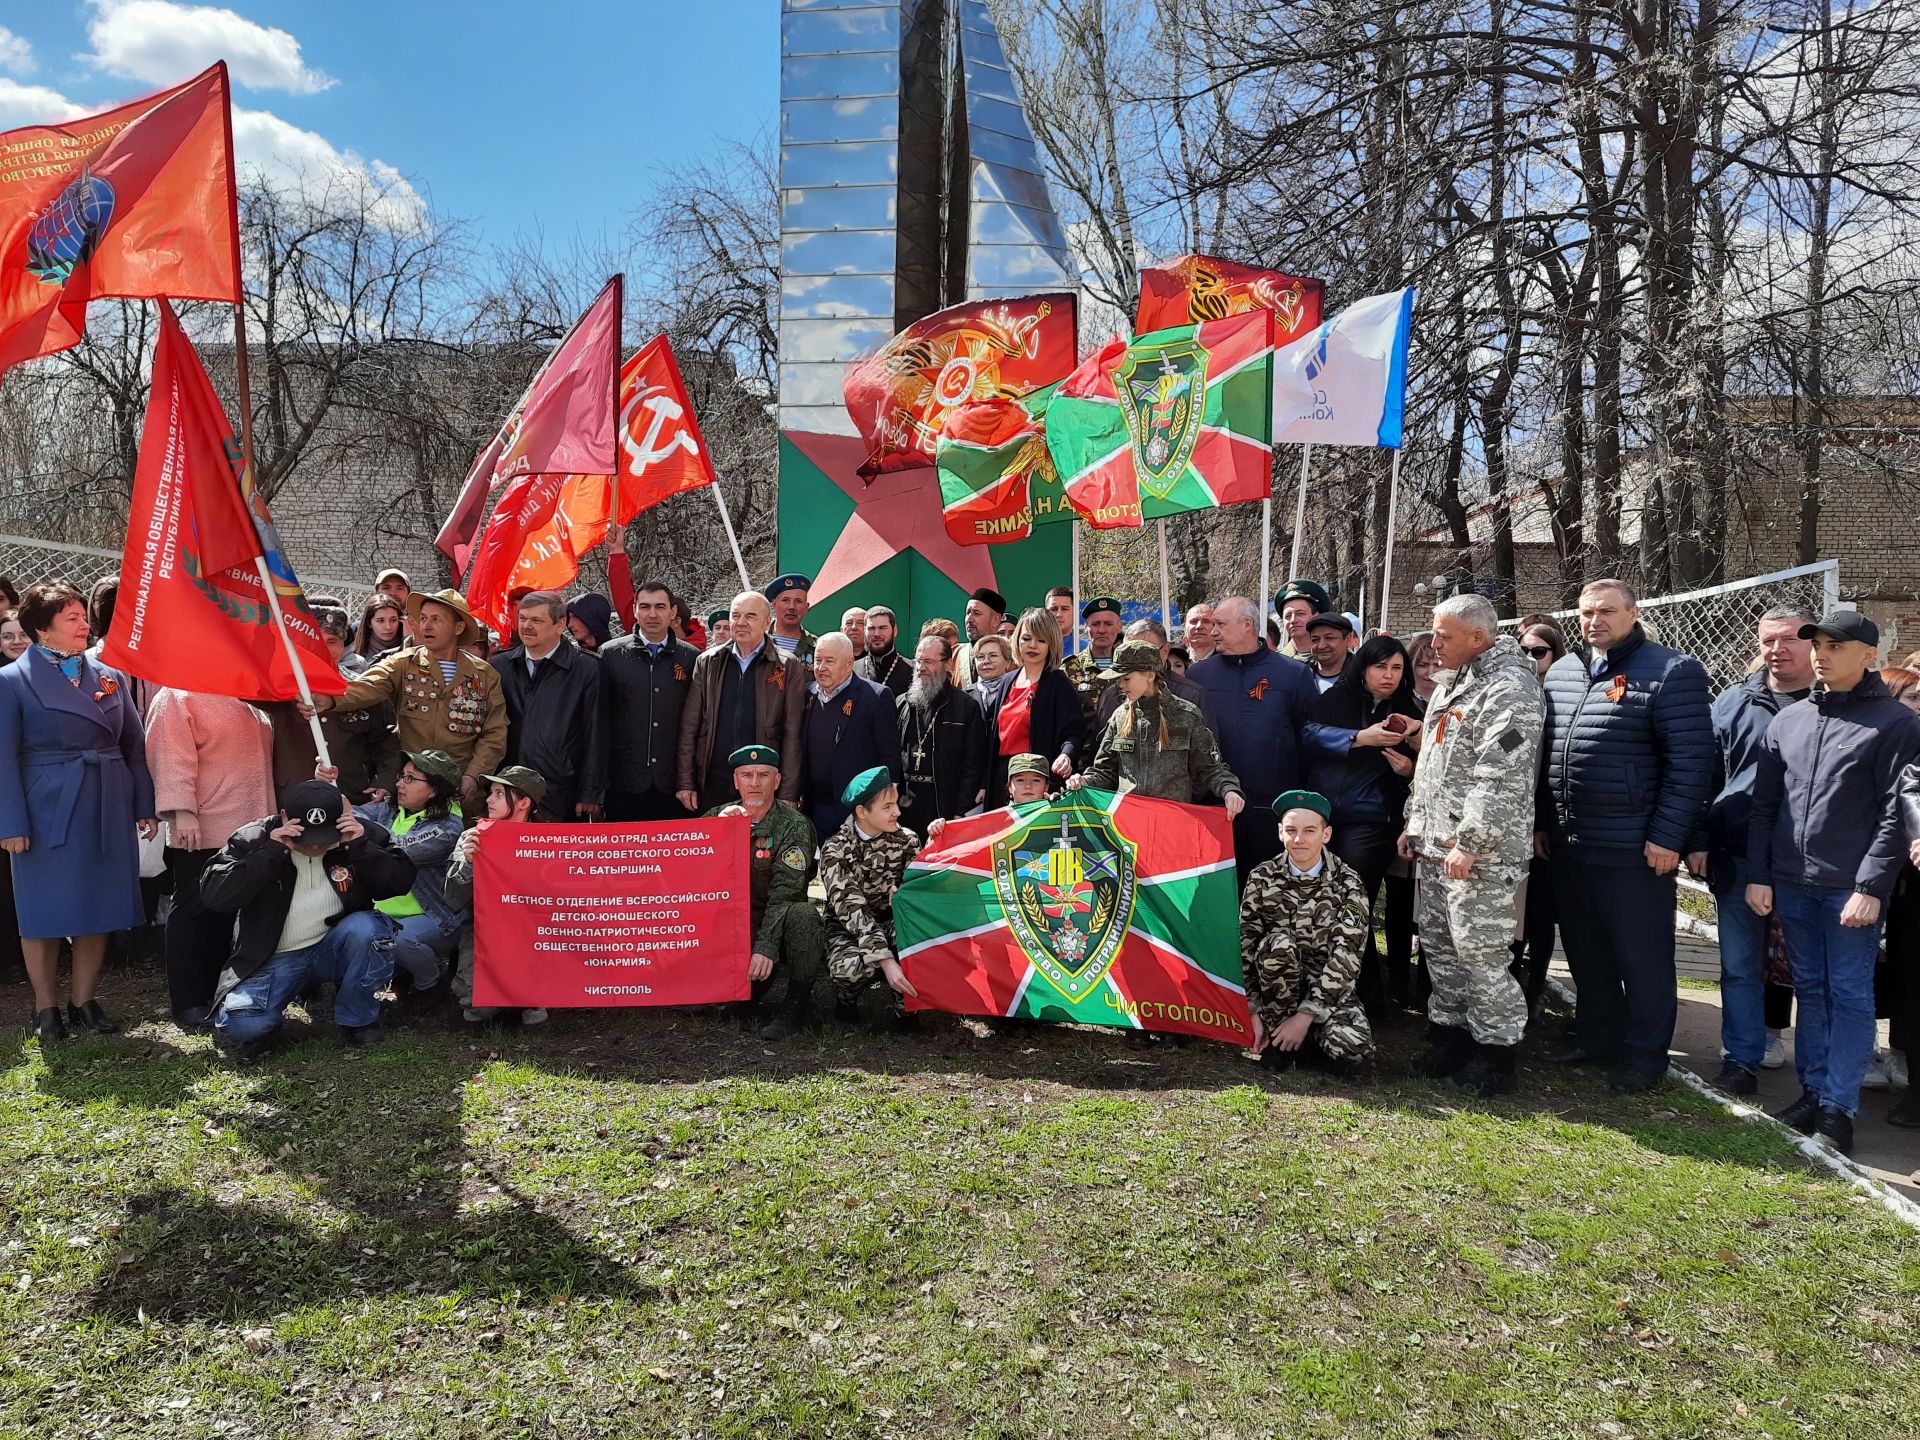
<point x="861" y="865"/>
<point x="513" y="795"/>
<point x="1303" y="925"/>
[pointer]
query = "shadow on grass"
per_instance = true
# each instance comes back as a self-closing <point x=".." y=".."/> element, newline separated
<point x="399" y="1204"/>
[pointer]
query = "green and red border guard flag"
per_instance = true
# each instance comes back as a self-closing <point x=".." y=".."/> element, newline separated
<point x="193" y="609"/>
<point x="1189" y="289"/>
<point x="1097" y="908"/>
<point x="899" y="397"/>
<point x="137" y="202"/>
<point x="1178" y="420"/>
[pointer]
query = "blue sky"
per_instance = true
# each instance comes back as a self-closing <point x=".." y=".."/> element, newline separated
<point x="516" y="117"/>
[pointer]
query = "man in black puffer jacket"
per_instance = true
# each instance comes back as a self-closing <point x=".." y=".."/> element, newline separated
<point x="1627" y="771"/>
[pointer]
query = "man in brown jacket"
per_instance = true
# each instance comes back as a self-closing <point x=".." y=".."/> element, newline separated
<point x="445" y="698"/>
<point x="749" y="692"/>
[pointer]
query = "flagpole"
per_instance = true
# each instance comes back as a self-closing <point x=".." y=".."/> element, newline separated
<point x="619" y="356"/>
<point x="1299" y="513"/>
<point x="320" y="748"/>
<point x="1166" y="590"/>
<point x="726" y="522"/>
<point x="1266" y="561"/>
<point x="1076" y="583"/>
<point x="1386" y="578"/>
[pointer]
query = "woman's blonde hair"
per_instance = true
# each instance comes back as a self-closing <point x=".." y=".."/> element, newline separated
<point x="1039" y="624"/>
<point x="1124" y="730"/>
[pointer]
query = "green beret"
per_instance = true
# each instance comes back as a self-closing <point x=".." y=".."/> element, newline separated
<point x="1029" y="765"/>
<point x="530" y="783"/>
<point x="1304" y="800"/>
<point x="1133" y="655"/>
<point x="1100" y="604"/>
<point x="754" y="755"/>
<point x="867" y="784"/>
<point x="1311" y="591"/>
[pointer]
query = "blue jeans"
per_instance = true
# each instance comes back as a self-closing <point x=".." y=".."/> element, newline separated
<point x="419" y="947"/>
<point x="356" y="956"/>
<point x="1833" y="979"/>
<point x="1743" y="967"/>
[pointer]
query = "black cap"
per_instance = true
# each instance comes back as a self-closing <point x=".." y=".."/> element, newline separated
<point x="1331" y="620"/>
<point x="992" y="599"/>
<point x="317" y="806"/>
<point x="1844" y="625"/>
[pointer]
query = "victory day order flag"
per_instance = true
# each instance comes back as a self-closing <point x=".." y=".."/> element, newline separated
<point x="193" y="609"/>
<point x="1093" y="907"/>
<point x="899" y="396"/>
<point x="991" y="452"/>
<point x="1191" y="288"/>
<point x="1169" y="422"/>
<point x="137" y="202"/>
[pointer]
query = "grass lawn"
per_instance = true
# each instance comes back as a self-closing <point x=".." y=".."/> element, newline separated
<point x="645" y="1223"/>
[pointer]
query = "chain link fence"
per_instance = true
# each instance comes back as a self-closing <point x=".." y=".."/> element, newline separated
<point x="1716" y="625"/>
<point x="26" y="561"/>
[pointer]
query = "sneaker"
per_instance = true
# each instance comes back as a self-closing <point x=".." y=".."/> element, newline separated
<point x="1736" y="1080"/>
<point x="1897" y="1073"/>
<point x="535" y="1016"/>
<point x="1802" y="1115"/>
<point x="1835" y="1129"/>
<point x="1628" y="1081"/>
<point x="1876" y="1077"/>
<point x="1776" y="1056"/>
<point x="476" y="1014"/>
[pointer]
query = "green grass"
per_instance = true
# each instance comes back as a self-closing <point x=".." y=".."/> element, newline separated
<point x="644" y="1223"/>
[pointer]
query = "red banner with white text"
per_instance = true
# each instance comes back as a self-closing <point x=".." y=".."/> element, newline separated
<point x="575" y="916"/>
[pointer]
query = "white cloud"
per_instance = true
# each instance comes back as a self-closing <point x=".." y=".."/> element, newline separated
<point x="23" y="104"/>
<point x="267" y="146"/>
<point x="164" y="43"/>
<point x="16" y="55"/>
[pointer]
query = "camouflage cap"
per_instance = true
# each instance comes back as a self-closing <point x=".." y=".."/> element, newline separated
<point x="1304" y="800"/>
<point x="865" y="786"/>
<point x="530" y="783"/>
<point x="437" y="765"/>
<point x="1134" y="656"/>
<point x="754" y="755"/>
<point x="1029" y="765"/>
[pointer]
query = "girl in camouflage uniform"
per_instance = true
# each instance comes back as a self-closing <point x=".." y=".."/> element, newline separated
<point x="1157" y="744"/>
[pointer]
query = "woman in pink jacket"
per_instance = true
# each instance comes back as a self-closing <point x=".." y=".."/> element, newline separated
<point x="212" y="763"/>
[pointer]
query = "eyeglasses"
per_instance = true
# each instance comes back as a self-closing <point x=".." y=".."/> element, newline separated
<point x="1539" y="652"/>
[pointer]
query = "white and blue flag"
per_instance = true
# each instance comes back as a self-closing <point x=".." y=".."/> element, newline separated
<point x="1346" y="382"/>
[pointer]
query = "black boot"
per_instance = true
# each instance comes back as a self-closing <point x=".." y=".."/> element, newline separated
<point x="1836" y="1128"/>
<point x="1448" y="1050"/>
<point x="1802" y="1115"/>
<point x="1906" y="1115"/>
<point x="1488" y="1073"/>
<point x="48" y="1025"/>
<point x="90" y="1017"/>
<point x="792" y="1015"/>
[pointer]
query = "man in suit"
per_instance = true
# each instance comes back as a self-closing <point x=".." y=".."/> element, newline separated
<point x="850" y="725"/>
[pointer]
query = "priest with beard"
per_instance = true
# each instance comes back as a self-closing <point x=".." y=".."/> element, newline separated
<point x="943" y="741"/>
<point x="882" y="664"/>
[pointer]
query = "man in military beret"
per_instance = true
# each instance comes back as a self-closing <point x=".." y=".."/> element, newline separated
<point x="861" y="865"/>
<point x="446" y="696"/>
<point x="787" y="594"/>
<point x="1303" y="925"/>
<point x="1298" y="602"/>
<point x="786" y="928"/>
<point x="1101" y="615"/>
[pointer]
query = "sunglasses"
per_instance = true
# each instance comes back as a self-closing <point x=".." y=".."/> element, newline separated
<point x="1538" y="652"/>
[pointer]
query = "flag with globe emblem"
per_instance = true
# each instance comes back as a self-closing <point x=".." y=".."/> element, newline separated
<point x="1090" y="907"/>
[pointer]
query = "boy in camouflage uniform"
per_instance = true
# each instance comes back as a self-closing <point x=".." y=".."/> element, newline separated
<point x="1157" y="744"/>
<point x="512" y="795"/>
<point x="786" y="928"/>
<point x="1303" y="925"/>
<point x="860" y="867"/>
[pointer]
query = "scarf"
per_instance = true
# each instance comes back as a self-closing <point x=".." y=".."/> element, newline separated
<point x="69" y="665"/>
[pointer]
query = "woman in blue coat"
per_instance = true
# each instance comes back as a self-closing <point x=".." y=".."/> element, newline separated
<point x="74" y="794"/>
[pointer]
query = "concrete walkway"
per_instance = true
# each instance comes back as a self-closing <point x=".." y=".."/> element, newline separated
<point x="1889" y="1154"/>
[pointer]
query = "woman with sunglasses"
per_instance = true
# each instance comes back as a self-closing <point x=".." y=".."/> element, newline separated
<point x="1543" y="642"/>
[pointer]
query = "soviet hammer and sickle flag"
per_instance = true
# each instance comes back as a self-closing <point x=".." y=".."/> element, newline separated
<point x="1092" y="907"/>
<point x="137" y="202"/>
<point x="1165" y="423"/>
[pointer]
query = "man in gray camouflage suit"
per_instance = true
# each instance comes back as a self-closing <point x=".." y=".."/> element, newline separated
<point x="1303" y="924"/>
<point x="1471" y="820"/>
<point x="861" y="865"/>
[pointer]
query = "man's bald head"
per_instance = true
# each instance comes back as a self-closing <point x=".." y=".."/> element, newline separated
<point x="1238" y="623"/>
<point x="749" y="615"/>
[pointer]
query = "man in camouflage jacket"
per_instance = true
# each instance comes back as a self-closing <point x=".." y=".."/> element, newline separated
<point x="1471" y="819"/>
<point x="861" y="866"/>
<point x="1303" y="925"/>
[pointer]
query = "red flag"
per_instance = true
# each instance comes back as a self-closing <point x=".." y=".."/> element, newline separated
<point x="1191" y="288"/>
<point x="988" y="349"/>
<point x="193" y="610"/>
<point x="661" y="453"/>
<point x="137" y="202"/>
<point x="562" y="425"/>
